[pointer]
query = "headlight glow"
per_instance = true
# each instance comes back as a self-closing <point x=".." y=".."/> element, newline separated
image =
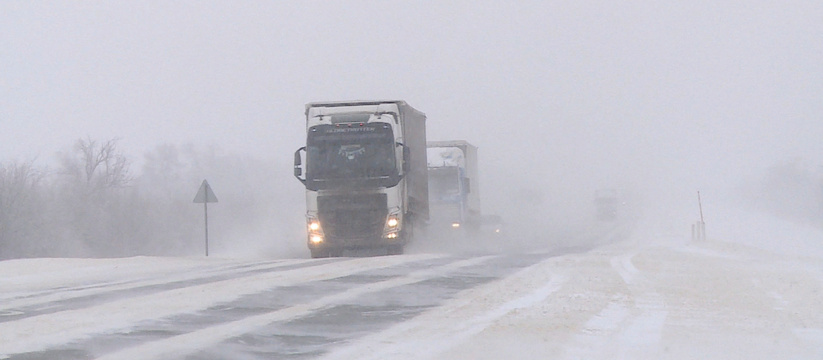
<point x="392" y="228"/>
<point x="393" y="222"/>
<point x="456" y="225"/>
<point x="316" y="239"/>
<point x="314" y="226"/>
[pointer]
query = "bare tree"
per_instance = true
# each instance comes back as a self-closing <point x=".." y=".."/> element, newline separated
<point x="92" y="198"/>
<point x="105" y="166"/>
<point x="98" y="166"/>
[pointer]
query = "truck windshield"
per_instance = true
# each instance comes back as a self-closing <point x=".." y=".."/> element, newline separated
<point x="357" y="152"/>
<point x="444" y="184"/>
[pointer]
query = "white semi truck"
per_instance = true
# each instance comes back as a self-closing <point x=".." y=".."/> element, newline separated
<point x="454" y="189"/>
<point x="365" y="171"/>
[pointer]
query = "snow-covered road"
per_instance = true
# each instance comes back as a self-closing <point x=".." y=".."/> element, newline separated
<point x="161" y="308"/>
<point x="639" y="298"/>
<point x="710" y="300"/>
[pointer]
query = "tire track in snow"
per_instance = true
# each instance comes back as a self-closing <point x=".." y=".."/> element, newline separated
<point x="429" y="335"/>
<point x="41" y="332"/>
<point x="86" y="296"/>
<point x="624" y="267"/>
<point x="59" y="277"/>
<point x="596" y="339"/>
<point x="627" y="327"/>
<point x="182" y="345"/>
<point x="643" y="333"/>
<point x="24" y="298"/>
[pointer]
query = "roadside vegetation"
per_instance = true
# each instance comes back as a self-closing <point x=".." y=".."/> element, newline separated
<point x="95" y="204"/>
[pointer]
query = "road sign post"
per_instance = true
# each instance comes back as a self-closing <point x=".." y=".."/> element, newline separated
<point x="205" y="195"/>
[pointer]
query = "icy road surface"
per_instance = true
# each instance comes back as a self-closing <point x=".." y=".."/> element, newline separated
<point x="663" y="299"/>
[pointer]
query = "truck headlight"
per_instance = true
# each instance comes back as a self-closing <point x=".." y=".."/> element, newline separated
<point x="316" y="239"/>
<point x="392" y="222"/>
<point x="392" y="228"/>
<point x="455" y="225"/>
<point x="314" y="226"/>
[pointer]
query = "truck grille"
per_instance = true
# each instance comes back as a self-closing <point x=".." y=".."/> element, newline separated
<point x="352" y="216"/>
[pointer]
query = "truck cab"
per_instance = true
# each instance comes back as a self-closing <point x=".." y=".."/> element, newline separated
<point x="364" y="170"/>
<point x="454" y="196"/>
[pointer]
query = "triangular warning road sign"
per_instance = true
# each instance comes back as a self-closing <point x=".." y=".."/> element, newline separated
<point x="205" y="195"/>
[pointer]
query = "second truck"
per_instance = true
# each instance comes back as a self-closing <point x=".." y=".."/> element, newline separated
<point x="365" y="172"/>
<point x="454" y="192"/>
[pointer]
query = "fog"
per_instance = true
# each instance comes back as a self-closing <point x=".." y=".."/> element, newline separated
<point x="658" y="101"/>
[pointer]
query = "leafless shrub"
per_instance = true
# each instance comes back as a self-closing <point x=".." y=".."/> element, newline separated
<point x="21" y="208"/>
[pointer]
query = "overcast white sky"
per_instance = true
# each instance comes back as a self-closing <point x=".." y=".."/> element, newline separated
<point x="599" y="92"/>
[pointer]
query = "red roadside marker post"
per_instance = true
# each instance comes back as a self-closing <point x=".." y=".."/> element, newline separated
<point x="205" y="196"/>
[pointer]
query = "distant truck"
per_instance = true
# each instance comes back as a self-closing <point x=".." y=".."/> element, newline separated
<point x="365" y="175"/>
<point x="606" y="204"/>
<point x="454" y="189"/>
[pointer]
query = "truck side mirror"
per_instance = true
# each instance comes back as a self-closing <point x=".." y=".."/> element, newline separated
<point x="406" y="157"/>
<point x="298" y="162"/>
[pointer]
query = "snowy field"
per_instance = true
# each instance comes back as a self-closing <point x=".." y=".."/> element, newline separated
<point x="751" y="291"/>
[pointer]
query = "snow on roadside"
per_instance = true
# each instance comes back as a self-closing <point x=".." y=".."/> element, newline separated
<point x="750" y="291"/>
<point x="767" y="232"/>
